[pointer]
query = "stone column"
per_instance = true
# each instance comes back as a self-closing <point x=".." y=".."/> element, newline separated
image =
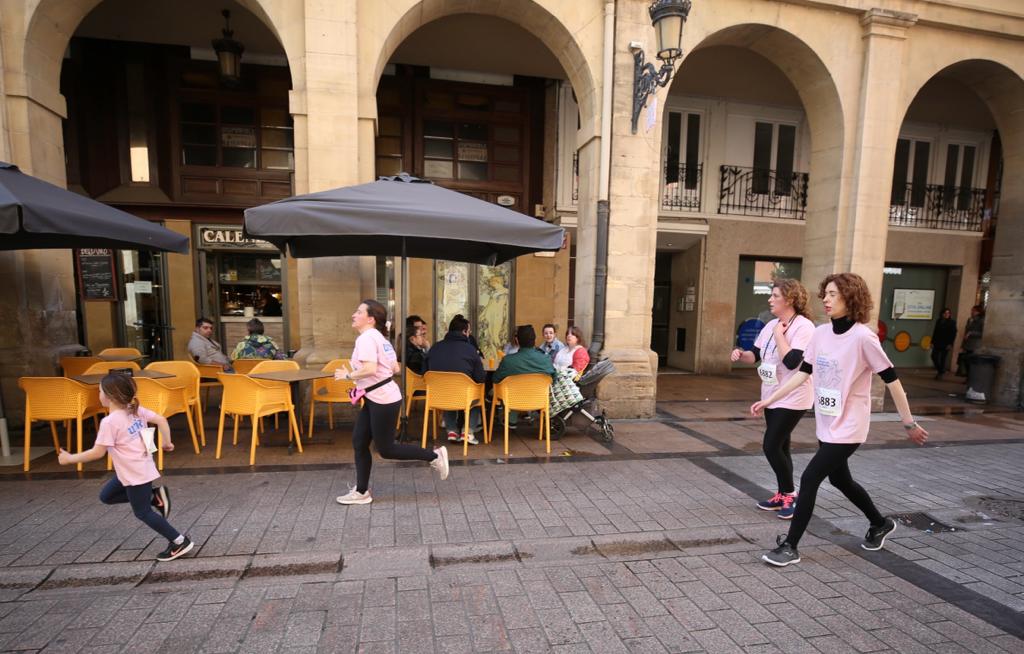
<point x="327" y="156"/>
<point x="632" y="234"/>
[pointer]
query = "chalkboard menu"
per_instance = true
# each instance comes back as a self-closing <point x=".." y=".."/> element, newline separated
<point x="96" y="277"/>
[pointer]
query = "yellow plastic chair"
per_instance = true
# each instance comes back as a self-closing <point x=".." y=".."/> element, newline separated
<point x="208" y="379"/>
<point x="414" y="383"/>
<point x="52" y="399"/>
<point x="75" y="366"/>
<point x="186" y="375"/>
<point x="167" y="400"/>
<point x="120" y="352"/>
<point x="244" y="366"/>
<point x="452" y="391"/>
<point x="330" y="391"/>
<point x="274" y="365"/>
<point x="245" y="396"/>
<point x="530" y="392"/>
<point x="103" y="367"/>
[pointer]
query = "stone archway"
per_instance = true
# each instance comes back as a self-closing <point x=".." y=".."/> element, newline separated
<point x="1001" y="88"/>
<point x="811" y="89"/>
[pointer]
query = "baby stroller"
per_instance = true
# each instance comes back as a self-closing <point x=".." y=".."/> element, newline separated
<point x="560" y="416"/>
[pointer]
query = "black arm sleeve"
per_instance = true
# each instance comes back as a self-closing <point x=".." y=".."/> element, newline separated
<point x="806" y="367"/>
<point x="888" y="375"/>
<point x="757" y="353"/>
<point x="793" y="358"/>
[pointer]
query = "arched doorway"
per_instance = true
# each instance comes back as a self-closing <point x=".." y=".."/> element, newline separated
<point x="454" y="107"/>
<point x="751" y="145"/>
<point x="155" y="128"/>
<point x="963" y="134"/>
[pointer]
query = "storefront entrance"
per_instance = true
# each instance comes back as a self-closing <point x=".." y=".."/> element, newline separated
<point x="241" y="279"/>
<point x="143" y="312"/>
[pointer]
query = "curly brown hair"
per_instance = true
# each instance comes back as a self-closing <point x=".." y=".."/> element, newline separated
<point x="856" y="295"/>
<point x="794" y="293"/>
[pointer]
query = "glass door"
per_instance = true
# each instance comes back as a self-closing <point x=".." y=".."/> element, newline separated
<point x="483" y="294"/>
<point x="143" y="310"/>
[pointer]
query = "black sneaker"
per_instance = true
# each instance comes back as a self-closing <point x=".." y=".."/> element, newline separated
<point x="875" y="538"/>
<point x="174" y="551"/>
<point x="783" y="555"/>
<point x="162" y="501"/>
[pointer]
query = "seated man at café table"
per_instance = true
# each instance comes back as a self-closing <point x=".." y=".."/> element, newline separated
<point x="417" y="344"/>
<point x="551" y="344"/>
<point x="256" y="345"/>
<point x="456" y="354"/>
<point x="529" y="359"/>
<point x="204" y="349"/>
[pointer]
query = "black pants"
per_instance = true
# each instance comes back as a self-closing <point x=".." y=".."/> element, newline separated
<point x="141" y="499"/>
<point x="779" y="427"/>
<point x="939" y="358"/>
<point x="376" y="423"/>
<point x="832" y="461"/>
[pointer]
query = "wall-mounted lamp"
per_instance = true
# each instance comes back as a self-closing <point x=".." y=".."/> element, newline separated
<point x="668" y="18"/>
<point x="229" y="52"/>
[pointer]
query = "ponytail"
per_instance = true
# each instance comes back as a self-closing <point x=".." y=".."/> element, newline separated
<point x="121" y="389"/>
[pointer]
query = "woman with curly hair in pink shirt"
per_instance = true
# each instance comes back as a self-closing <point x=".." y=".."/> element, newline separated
<point x="842" y="355"/>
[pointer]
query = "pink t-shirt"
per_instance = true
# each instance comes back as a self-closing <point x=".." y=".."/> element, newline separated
<point x="843" y="365"/>
<point x="121" y="433"/>
<point x="799" y="335"/>
<point x="372" y="346"/>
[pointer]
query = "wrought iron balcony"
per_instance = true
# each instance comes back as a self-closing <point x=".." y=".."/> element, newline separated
<point x="576" y="177"/>
<point x="933" y="206"/>
<point x="681" y="191"/>
<point x="762" y="192"/>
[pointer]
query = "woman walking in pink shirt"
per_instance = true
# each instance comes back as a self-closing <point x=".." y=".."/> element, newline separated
<point x="374" y="362"/>
<point x="842" y="355"/>
<point x="121" y="436"/>
<point x="779" y="349"/>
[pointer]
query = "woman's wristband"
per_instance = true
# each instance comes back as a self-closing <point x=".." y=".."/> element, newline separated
<point x="912" y="425"/>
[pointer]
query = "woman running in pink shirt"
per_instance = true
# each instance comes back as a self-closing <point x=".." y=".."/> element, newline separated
<point x="779" y="350"/>
<point x="842" y="355"/>
<point x="120" y="435"/>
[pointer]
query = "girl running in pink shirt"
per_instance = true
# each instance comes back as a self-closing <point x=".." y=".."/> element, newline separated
<point x="842" y="355"/>
<point x="778" y="351"/>
<point x="120" y="435"/>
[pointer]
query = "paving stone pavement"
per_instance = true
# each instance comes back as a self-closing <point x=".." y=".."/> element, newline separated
<point x="632" y="554"/>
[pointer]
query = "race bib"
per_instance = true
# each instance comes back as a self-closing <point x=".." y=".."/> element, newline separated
<point x="829" y="401"/>
<point x="767" y="373"/>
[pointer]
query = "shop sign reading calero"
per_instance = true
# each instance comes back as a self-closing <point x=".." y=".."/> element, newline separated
<point x="229" y="237"/>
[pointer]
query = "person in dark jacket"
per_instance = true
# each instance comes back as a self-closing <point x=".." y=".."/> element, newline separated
<point x="457" y="354"/>
<point x="417" y="344"/>
<point x="943" y="337"/>
<point x="527" y="360"/>
<point x="973" y="332"/>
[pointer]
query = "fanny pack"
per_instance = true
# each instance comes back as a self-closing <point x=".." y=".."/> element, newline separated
<point x="355" y="395"/>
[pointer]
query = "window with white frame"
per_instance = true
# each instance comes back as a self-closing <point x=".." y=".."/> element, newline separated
<point x="910" y="172"/>
<point x="682" y="148"/>
<point x="774" y="150"/>
<point x="567" y="195"/>
<point x="960" y="164"/>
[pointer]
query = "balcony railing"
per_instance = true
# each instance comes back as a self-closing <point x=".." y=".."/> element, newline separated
<point x="938" y="207"/>
<point x="575" y="177"/>
<point x="762" y="192"/>
<point x="682" y="187"/>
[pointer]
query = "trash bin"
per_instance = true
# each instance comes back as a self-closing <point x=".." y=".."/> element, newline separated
<point x="980" y="373"/>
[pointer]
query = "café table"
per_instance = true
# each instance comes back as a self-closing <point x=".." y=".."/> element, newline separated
<point x="292" y="378"/>
<point x="97" y="378"/>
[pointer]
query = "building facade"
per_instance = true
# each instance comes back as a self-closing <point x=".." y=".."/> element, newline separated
<point x="794" y="139"/>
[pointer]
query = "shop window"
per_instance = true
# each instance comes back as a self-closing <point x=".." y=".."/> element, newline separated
<point x="236" y="136"/>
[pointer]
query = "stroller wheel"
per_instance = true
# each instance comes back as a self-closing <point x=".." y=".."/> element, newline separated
<point x="557" y="427"/>
<point x="607" y="430"/>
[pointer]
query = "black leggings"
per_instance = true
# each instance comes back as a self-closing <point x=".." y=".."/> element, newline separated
<point x="376" y="423"/>
<point x="779" y="426"/>
<point x="831" y="460"/>
<point x="141" y="499"/>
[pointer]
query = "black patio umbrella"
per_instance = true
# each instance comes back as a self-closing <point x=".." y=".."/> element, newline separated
<point x="400" y="216"/>
<point x="37" y="215"/>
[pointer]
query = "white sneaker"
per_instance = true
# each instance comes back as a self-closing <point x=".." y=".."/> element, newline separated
<point x="355" y="497"/>
<point x="472" y="439"/>
<point x="441" y="462"/>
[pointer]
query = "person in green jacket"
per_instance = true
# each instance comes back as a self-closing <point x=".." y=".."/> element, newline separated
<point x="526" y="361"/>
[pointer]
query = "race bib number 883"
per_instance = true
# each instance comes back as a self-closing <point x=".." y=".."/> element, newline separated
<point x="829" y="402"/>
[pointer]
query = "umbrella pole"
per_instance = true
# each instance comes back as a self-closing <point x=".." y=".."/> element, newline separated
<point x="403" y="430"/>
